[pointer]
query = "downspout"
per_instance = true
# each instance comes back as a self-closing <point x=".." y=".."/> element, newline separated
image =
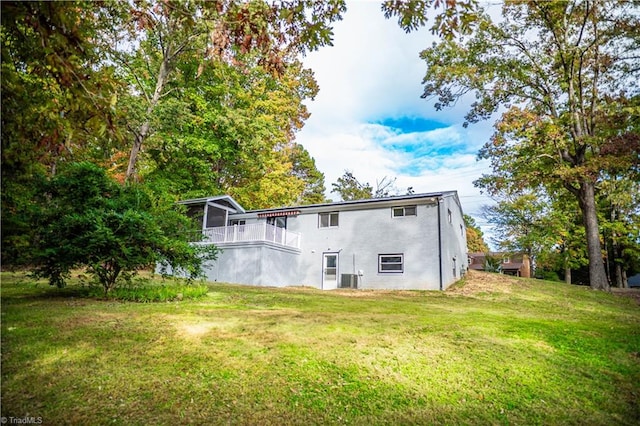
<point x="354" y="263"/>
<point x="439" y="244"/>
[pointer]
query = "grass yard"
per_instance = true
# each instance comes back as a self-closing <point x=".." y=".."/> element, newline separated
<point x="491" y="350"/>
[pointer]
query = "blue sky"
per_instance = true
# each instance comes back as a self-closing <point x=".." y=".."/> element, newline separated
<point x="368" y="117"/>
<point x="406" y="124"/>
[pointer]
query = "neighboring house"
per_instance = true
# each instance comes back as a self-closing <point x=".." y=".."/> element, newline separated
<point x="415" y="242"/>
<point x="517" y="264"/>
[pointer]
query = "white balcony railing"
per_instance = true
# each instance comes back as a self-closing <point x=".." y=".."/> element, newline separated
<point x="252" y="232"/>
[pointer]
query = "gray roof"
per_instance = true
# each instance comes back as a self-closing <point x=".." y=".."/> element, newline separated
<point x="361" y="202"/>
<point x="225" y="199"/>
<point x="336" y="204"/>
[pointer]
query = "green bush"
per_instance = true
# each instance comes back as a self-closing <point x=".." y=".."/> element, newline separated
<point x="548" y="275"/>
<point x="87" y="220"/>
<point x="492" y="263"/>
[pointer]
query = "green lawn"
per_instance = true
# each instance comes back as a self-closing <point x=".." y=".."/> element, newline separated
<point x="492" y="350"/>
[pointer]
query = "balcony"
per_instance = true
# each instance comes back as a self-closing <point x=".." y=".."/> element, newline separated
<point x="257" y="232"/>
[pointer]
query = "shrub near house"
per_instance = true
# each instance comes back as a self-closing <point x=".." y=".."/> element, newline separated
<point x="87" y="220"/>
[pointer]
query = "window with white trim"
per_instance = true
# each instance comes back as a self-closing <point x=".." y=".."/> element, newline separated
<point x="277" y="221"/>
<point x="391" y="263"/>
<point x="404" y="211"/>
<point x="328" y="220"/>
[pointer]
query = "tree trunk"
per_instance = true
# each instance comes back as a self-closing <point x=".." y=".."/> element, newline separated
<point x="567" y="268"/>
<point x="143" y="132"/>
<point x="616" y="258"/>
<point x="608" y="256"/>
<point x="135" y="150"/>
<point x="618" y="274"/>
<point x="567" y="275"/>
<point x="587" y="200"/>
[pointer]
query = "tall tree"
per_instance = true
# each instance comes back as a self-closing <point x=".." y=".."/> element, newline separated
<point x="450" y="17"/>
<point x="57" y="94"/>
<point x="475" y="237"/>
<point x="57" y="99"/>
<point x="518" y="223"/>
<point x="565" y="235"/>
<point x="232" y="31"/>
<point x="620" y="189"/>
<point x="231" y="130"/>
<point x="100" y="81"/>
<point x="541" y="227"/>
<point x="304" y="168"/>
<point x="349" y="188"/>
<point x="620" y="209"/>
<point x="385" y="187"/>
<point x="559" y="68"/>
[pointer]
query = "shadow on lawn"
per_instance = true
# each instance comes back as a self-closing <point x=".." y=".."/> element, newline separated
<point x="19" y="286"/>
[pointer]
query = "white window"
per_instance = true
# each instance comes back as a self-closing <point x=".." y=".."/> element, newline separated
<point x="391" y="263"/>
<point x="327" y="220"/>
<point x="278" y="221"/>
<point x="404" y="211"/>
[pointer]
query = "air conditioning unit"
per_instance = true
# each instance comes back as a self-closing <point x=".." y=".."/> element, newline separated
<point x="349" y="281"/>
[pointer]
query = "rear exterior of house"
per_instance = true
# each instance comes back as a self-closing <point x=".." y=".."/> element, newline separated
<point x="412" y="242"/>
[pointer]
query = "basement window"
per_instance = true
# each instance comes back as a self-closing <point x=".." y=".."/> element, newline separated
<point x="391" y="263"/>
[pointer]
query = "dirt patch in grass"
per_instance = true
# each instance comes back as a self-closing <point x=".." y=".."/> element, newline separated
<point x="633" y="293"/>
<point x="197" y="327"/>
<point x="476" y="282"/>
<point x="375" y="293"/>
<point x="197" y="330"/>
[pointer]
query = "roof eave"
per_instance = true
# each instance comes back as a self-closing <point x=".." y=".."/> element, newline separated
<point x="205" y="200"/>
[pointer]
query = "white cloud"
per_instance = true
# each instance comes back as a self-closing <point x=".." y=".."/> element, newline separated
<point x="372" y="73"/>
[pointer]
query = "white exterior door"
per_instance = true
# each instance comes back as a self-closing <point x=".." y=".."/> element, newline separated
<point x="330" y="271"/>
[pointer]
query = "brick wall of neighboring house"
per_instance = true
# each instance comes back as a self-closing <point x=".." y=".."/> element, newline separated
<point x="517" y="264"/>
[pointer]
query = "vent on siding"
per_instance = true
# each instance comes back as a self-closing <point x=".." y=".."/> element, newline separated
<point x="349" y="281"/>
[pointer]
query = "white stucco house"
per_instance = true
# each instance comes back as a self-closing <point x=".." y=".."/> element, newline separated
<point x="409" y="242"/>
